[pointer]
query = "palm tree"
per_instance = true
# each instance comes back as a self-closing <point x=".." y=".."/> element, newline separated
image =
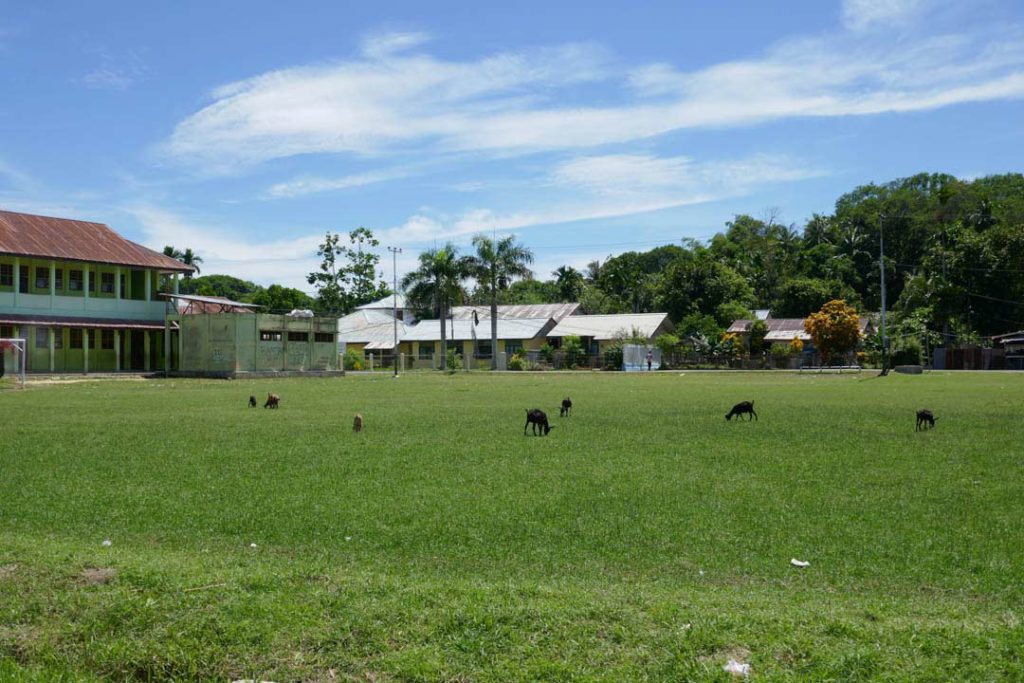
<point x="495" y="265"/>
<point x="188" y="257"/>
<point x="569" y="282"/>
<point x="436" y="281"/>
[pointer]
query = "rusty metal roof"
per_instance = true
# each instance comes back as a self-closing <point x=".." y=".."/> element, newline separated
<point x="23" y="234"/>
<point x="517" y="311"/>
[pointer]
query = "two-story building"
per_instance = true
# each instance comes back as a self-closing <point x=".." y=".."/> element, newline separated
<point x="84" y="298"/>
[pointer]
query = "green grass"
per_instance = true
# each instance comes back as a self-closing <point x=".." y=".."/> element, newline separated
<point x="645" y="539"/>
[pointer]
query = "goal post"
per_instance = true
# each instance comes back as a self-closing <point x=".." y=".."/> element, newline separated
<point x="13" y="359"/>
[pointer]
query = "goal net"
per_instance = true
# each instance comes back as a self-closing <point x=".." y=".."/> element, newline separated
<point x="12" y="362"/>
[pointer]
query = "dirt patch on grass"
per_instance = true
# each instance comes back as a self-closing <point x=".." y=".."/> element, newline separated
<point x="96" y="576"/>
<point x="736" y="653"/>
<point x="7" y="570"/>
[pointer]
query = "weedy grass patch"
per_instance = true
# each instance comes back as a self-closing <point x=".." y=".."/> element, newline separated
<point x="646" y="538"/>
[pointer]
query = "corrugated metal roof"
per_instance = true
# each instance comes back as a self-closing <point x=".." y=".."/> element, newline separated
<point x="462" y="330"/>
<point x="387" y="302"/>
<point x="23" y="234"/>
<point x="69" y="321"/>
<point x="194" y="304"/>
<point x="604" y="327"/>
<point x="517" y="311"/>
<point x="783" y="326"/>
<point x="371" y="327"/>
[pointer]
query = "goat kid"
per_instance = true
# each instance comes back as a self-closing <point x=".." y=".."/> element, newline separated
<point x="357" y="423"/>
<point x="566" y="407"/>
<point x="272" y="401"/>
<point x="741" y="409"/>
<point x="252" y="401"/>
<point x="538" y="418"/>
<point x="925" y="420"/>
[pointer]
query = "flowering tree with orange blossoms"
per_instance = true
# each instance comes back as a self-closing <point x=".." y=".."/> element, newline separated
<point x="835" y="329"/>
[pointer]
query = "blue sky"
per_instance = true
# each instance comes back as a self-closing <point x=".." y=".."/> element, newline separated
<point x="247" y="130"/>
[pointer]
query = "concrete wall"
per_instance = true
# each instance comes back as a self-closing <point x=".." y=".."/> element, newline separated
<point x="228" y="343"/>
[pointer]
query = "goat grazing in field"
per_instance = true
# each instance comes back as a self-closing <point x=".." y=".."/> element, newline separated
<point x="925" y="419"/>
<point x="538" y="418"/>
<point x="740" y="409"/>
<point x="272" y="401"/>
<point x="566" y="407"/>
<point x="252" y="401"/>
<point x="357" y="423"/>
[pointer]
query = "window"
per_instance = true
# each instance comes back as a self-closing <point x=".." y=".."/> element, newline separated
<point x="6" y="331"/>
<point x="483" y="347"/>
<point x="107" y="283"/>
<point x="58" y="279"/>
<point x="107" y="339"/>
<point x="513" y="346"/>
<point x="58" y="338"/>
<point x="90" y="277"/>
<point x="298" y="336"/>
<point x="90" y="336"/>
<point x="76" y="338"/>
<point x="426" y="351"/>
<point x="124" y="290"/>
<point x="42" y="278"/>
<point x="6" y="275"/>
<point x="270" y="335"/>
<point x="23" y="279"/>
<point x="42" y="338"/>
<point x="324" y="338"/>
<point x="74" y="281"/>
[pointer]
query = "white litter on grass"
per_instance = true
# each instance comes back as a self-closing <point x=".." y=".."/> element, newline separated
<point x="252" y="545"/>
<point x="701" y="572"/>
<point x="798" y="563"/>
<point x="736" y="669"/>
<point x="107" y="543"/>
<point x="348" y="538"/>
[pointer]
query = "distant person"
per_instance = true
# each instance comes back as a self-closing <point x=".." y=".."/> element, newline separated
<point x="650" y="359"/>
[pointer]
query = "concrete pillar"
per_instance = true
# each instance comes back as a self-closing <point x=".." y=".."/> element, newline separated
<point x="176" y="284"/>
<point x="117" y="283"/>
<point x="167" y="346"/>
<point x="145" y="350"/>
<point x="17" y="280"/>
<point x="86" y="276"/>
<point x="53" y="282"/>
<point x="149" y="285"/>
<point x="50" y="332"/>
<point x="85" y="351"/>
<point x="117" y="350"/>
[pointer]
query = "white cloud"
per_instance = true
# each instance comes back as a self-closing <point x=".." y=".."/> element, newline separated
<point x="298" y="187"/>
<point x="380" y="45"/>
<point x="861" y="14"/>
<point x="116" y="72"/>
<point x="513" y="103"/>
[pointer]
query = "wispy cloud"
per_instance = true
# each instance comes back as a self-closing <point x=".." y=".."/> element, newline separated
<point x="299" y="187"/>
<point x="861" y="14"/>
<point x="13" y="177"/>
<point x="392" y="100"/>
<point x="116" y="72"/>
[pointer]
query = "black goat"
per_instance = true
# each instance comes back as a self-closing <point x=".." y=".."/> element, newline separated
<point x="566" y="407"/>
<point x="925" y="419"/>
<point x="538" y="418"/>
<point x="746" y="407"/>
<point x="252" y="401"/>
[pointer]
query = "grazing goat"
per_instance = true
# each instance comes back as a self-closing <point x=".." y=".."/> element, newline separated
<point x="272" y="401"/>
<point x="566" y="407"/>
<point x="925" y="419"/>
<point x="252" y="401"/>
<point x="538" y="418"/>
<point x="746" y="407"/>
<point x="357" y="423"/>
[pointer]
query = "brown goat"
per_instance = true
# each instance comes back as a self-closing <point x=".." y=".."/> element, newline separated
<point x="272" y="401"/>
<point x="357" y="423"/>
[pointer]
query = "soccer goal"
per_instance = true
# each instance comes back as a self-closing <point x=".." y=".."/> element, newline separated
<point x="12" y="360"/>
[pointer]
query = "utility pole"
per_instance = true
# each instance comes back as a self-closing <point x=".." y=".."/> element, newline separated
<point x="881" y="270"/>
<point x="395" y="251"/>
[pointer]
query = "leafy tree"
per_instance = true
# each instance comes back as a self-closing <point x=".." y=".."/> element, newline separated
<point x="835" y="329"/>
<point x="758" y="331"/>
<point x="279" y="298"/>
<point x="348" y="276"/>
<point x="570" y="283"/>
<point x="188" y="257"/>
<point x="226" y="286"/>
<point x="494" y="266"/>
<point x="437" y="282"/>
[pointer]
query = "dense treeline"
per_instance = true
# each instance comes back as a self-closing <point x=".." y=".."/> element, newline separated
<point x="954" y="264"/>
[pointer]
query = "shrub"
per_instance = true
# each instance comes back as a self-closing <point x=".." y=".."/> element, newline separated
<point x="779" y="349"/>
<point x="907" y="353"/>
<point x="613" y="357"/>
<point x="516" y="362"/>
<point x="352" y="360"/>
<point x="796" y="347"/>
<point x="545" y="352"/>
<point x="835" y="329"/>
<point x="758" y="330"/>
<point x="454" y="360"/>
<point x="572" y="347"/>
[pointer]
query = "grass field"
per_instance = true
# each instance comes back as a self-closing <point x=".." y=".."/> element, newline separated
<point x="645" y="539"/>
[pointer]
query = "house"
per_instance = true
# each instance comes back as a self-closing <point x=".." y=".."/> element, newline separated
<point x="370" y="329"/>
<point x="84" y="298"/>
<point x="423" y="340"/>
<point x="1012" y="344"/>
<point x="785" y="330"/>
<point x="597" y="332"/>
